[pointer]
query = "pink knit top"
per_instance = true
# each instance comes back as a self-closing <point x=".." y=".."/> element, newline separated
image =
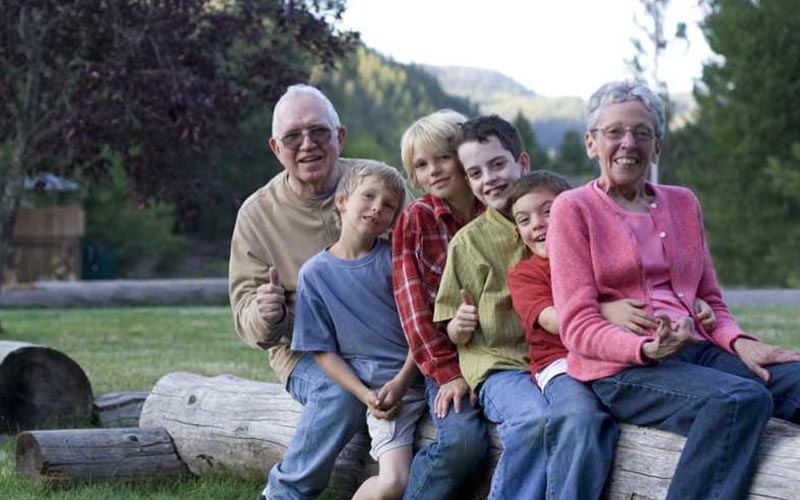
<point x="657" y="282"/>
<point x="595" y="257"/>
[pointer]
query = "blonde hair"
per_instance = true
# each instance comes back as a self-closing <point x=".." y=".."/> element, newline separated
<point x="388" y="176"/>
<point x="432" y="134"/>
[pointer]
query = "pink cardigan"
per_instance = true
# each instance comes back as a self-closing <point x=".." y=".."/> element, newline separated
<point x="594" y="258"/>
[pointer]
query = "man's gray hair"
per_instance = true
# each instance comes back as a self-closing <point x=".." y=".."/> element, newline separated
<point x="624" y="91"/>
<point x="301" y="88"/>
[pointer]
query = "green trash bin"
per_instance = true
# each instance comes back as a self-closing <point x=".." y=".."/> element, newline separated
<point x="99" y="263"/>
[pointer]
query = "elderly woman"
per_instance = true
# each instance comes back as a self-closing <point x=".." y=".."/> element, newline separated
<point x="620" y="236"/>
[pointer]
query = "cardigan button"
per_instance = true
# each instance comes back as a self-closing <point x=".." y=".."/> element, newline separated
<point x="680" y="295"/>
<point x="662" y="235"/>
<point x="654" y="205"/>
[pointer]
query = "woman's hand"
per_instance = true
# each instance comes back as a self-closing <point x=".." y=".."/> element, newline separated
<point x="705" y="314"/>
<point x="460" y="328"/>
<point x="628" y="313"/>
<point x="756" y="355"/>
<point x="669" y="341"/>
<point x="454" y="391"/>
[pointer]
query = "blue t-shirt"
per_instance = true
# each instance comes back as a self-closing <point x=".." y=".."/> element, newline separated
<point x="347" y="307"/>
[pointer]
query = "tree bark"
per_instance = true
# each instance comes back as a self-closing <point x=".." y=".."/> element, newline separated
<point x="40" y="388"/>
<point x="95" y="454"/>
<point x="227" y="424"/>
<point x="26" y="107"/>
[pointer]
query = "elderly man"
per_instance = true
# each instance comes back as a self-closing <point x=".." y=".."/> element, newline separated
<point x="278" y="228"/>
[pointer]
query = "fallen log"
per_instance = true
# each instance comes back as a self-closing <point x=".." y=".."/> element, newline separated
<point x="116" y="293"/>
<point x="241" y="427"/>
<point x="119" y="409"/>
<point x="41" y="388"/>
<point x="97" y="454"/>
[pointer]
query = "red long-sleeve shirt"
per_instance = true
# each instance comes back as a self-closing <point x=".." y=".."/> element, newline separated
<point x="419" y="252"/>
<point x="531" y="292"/>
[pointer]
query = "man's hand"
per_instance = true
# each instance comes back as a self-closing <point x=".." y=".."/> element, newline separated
<point x="271" y="299"/>
<point x="669" y="341"/>
<point x="629" y="314"/>
<point x="705" y="314"/>
<point x="756" y="355"/>
<point x="460" y="328"/>
<point x="454" y="391"/>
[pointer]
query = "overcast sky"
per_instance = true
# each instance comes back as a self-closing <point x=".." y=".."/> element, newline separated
<point x="553" y="47"/>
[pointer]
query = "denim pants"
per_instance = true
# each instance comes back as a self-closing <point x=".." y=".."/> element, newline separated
<point x="709" y="396"/>
<point x="330" y="418"/>
<point x="461" y="443"/>
<point x="783" y="386"/>
<point x="512" y="400"/>
<point x="580" y="437"/>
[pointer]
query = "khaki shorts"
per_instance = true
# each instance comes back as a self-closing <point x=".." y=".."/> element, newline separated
<point x="390" y="434"/>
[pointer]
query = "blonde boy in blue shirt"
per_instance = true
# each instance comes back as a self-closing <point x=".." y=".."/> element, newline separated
<point x="346" y="315"/>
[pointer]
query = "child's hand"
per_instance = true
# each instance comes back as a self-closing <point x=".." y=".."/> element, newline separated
<point x="370" y="399"/>
<point x="460" y="328"/>
<point x="705" y="314"/>
<point x="454" y="391"/>
<point x="380" y="409"/>
<point x="391" y="393"/>
<point x="628" y="313"/>
<point x="384" y="414"/>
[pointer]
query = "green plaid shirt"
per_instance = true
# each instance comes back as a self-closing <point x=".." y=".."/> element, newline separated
<point x="478" y="260"/>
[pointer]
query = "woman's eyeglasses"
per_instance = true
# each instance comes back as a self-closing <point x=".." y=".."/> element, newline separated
<point x="617" y="132"/>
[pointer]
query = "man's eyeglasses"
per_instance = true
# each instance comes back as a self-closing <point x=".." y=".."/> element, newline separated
<point x="617" y="132"/>
<point x="318" y="135"/>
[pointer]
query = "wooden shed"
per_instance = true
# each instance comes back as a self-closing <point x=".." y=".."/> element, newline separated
<point x="46" y="244"/>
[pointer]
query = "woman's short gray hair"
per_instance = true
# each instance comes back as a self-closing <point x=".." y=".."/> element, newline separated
<point x="301" y="88"/>
<point x="624" y="91"/>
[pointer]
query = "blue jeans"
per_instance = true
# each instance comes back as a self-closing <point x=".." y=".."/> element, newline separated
<point x="461" y="442"/>
<point x="784" y="383"/>
<point x="330" y="418"/>
<point x="579" y="437"/>
<point x="722" y="416"/>
<point x="511" y="400"/>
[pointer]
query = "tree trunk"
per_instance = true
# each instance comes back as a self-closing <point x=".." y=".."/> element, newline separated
<point x="241" y="427"/>
<point x="94" y="454"/>
<point x="40" y="388"/>
<point x="25" y="116"/>
<point x="12" y="179"/>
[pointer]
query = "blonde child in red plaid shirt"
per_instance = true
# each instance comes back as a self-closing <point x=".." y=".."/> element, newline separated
<point x="419" y="251"/>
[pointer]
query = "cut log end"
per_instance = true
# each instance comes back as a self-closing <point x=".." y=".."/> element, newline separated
<point x="41" y="388"/>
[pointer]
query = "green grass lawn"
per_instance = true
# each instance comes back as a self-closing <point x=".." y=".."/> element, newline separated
<point x="131" y="349"/>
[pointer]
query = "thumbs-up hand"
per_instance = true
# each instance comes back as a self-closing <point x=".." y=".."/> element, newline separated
<point x="464" y="323"/>
<point x="271" y="299"/>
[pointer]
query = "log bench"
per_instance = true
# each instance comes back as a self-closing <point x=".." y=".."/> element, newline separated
<point x="230" y="425"/>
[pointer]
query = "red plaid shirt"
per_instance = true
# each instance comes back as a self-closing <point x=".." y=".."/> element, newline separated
<point x="419" y="251"/>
